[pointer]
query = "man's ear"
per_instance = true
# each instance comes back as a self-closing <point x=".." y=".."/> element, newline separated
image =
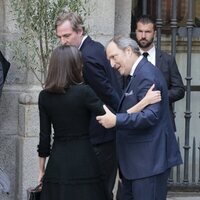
<point x="80" y="32"/>
<point x="128" y="50"/>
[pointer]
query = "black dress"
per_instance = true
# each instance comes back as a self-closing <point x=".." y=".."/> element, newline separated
<point x="72" y="171"/>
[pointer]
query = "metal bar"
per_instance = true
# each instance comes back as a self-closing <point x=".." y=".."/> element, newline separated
<point x="174" y="26"/>
<point x="144" y="7"/>
<point x="173" y="37"/>
<point x="171" y="180"/>
<point x="199" y="159"/>
<point x="195" y="88"/>
<point x="182" y="32"/>
<point x="188" y="93"/>
<point x="193" y="161"/>
<point x="159" y="23"/>
<point x="178" y="174"/>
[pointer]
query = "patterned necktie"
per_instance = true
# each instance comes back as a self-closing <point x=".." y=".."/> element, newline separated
<point x="145" y="54"/>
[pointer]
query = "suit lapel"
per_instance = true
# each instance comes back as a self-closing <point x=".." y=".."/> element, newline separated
<point x="87" y="40"/>
<point x="139" y="66"/>
<point x="158" y="58"/>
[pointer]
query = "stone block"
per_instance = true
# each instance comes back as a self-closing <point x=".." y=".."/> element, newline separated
<point x="28" y="114"/>
<point x="9" y="113"/>
<point x="28" y="120"/>
<point x="8" y="162"/>
<point x="102" y="17"/>
<point x="27" y="168"/>
<point x="123" y="17"/>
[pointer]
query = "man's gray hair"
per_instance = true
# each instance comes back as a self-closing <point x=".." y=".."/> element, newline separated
<point x="124" y="42"/>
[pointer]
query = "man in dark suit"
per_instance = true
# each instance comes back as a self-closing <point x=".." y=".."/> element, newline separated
<point x="145" y="140"/>
<point x="103" y="80"/>
<point x="1" y="78"/>
<point x="145" y="33"/>
<point x="4" y="67"/>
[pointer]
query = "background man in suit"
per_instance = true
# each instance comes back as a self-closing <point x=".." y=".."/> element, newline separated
<point x="1" y="78"/>
<point x="103" y="80"/>
<point x="145" y="140"/>
<point x="145" y="33"/>
<point x="4" y="67"/>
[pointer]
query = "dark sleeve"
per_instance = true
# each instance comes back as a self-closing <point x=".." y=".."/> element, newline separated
<point x="1" y="78"/>
<point x="96" y="73"/>
<point x="5" y="66"/>
<point x="176" y="90"/>
<point x="45" y="129"/>
<point x="93" y="103"/>
<point x="146" y="118"/>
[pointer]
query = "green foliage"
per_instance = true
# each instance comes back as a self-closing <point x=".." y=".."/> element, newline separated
<point x="35" y="19"/>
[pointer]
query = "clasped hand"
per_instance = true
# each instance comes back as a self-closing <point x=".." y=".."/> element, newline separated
<point x="107" y="120"/>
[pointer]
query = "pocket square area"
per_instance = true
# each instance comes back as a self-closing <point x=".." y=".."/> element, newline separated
<point x="129" y="93"/>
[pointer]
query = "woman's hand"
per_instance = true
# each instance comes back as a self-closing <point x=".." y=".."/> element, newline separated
<point x="107" y="120"/>
<point x="152" y="96"/>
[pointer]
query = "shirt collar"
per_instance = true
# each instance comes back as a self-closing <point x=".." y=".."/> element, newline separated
<point x="84" y="37"/>
<point x="135" y="65"/>
<point x="152" y="54"/>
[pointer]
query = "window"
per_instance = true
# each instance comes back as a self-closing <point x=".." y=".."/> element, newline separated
<point x="182" y="12"/>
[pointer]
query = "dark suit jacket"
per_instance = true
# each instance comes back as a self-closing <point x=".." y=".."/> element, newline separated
<point x="104" y="81"/>
<point x="146" y="143"/>
<point x="169" y="68"/>
<point x="5" y="66"/>
<point x="1" y="78"/>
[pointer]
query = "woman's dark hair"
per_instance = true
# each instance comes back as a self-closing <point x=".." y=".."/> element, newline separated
<point x="65" y="69"/>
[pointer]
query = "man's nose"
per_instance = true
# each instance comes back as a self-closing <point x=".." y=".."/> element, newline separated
<point x="143" y="35"/>
<point x="112" y="63"/>
<point x="63" y="40"/>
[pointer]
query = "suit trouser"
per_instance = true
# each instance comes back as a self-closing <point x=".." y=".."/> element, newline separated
<point x="150" y="188"/>
<point x="106" y="154"/>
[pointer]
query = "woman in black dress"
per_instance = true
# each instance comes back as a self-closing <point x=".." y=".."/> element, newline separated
<point x="72" y="171"/>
